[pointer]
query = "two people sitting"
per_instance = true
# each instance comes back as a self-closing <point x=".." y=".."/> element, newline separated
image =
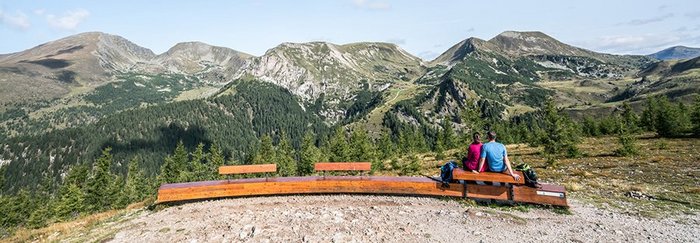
<point x="493" y="153"/>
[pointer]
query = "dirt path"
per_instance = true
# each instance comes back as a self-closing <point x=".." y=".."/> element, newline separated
<point x="341" y="218"/>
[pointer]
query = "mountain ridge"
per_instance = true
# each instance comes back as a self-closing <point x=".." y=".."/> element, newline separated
<point x="676" y="53"/>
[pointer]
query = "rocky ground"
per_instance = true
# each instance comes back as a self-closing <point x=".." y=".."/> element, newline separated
<point x="343" y="218"/>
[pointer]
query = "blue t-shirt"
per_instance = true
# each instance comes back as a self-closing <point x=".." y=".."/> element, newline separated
<point x="494" y="152"/>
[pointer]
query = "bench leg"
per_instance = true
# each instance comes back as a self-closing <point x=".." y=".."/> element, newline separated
<point x="510" y="192"/>
<point x="464" y="184"/>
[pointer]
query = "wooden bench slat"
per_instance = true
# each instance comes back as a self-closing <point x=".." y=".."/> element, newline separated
<point x="548" y="194"/>
<point x="343" y="166"/>
<point x="247" y="169"/>
<point x="460" y="174"/>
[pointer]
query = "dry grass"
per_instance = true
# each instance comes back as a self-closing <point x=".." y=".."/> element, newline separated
<point x="79" y="230"/>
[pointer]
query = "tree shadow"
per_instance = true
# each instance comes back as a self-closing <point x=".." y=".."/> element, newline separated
<point x="152" y="151"/>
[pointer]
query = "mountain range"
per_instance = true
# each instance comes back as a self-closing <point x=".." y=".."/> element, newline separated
<point x="515" y="69"/>
<point x="62" y="101"/>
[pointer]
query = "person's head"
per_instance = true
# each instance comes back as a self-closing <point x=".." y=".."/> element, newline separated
<point x="491" y="136"/>
<point x="477" y="137"/>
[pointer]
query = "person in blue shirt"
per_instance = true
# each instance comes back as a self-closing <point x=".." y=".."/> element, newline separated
<point x="497" y="157"/>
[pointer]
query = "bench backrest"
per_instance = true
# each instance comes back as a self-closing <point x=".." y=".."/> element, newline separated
<point x="343" y="166"/>
<point x="247" y="169"/>
<point x="460" y="174"/>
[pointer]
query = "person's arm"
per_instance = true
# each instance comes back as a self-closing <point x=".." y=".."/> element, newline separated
<point x="516" y="177"/>
<point x="470" y="156"/>
<point x="481" y="165"/>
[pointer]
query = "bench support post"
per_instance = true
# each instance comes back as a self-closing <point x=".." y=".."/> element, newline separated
<point x="510" y="192"/>
<point x="464" y="183"/>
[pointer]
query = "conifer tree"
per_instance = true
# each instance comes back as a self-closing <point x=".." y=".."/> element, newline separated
<point x="215" y="159"/>
<point x="439" y="147"/>
<point x="449" y="138"/>
<point x="286" y="164"/>
<point x="15" y="209"/>
<point x="590" y="127"/>
<point x="650" y="114"/>
<point x="626" y="138"/>
<point x="41" y="214"/>
<point x="71" y="203"/>
<point x="671" y="120"/>
<point x="266" y="151"/>
<point x="118" y="194"/>
<point x="695" y="119"/>
<point x="629" y="118"/>
<point x="181" y="159"/>
<point x="412" y="167"/>
<point x="386" y="147"/>
<point x="471" y="117"/>
<point x="78" y="175"/>
<point x="310" y="154"/>
<point x="361" y="146"/>
<point x="560" y="136"/>
<point x="3" y="170"/>
<point x="135" y="182"/>
<point x="200" y="171"/>
<point x="406" y="143"/>
<point x="421" y="145"/>
<point x="339" y="148"/>
<point x="174" y="166"/>
<point x="98" y="193"/>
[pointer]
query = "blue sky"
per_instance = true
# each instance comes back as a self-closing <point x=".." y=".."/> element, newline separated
<point x="424" y="28"/>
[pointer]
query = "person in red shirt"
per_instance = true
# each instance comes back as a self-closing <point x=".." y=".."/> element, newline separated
<point x="473" y="154"/>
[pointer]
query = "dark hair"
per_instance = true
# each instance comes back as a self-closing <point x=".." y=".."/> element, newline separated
<point x="476" y="136"/>
<point x="491" y="135"/>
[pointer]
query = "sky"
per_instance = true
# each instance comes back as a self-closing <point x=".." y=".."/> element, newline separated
<point x="424" y="28"/>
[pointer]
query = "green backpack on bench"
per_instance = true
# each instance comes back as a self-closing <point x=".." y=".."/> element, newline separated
<point x="529" y="174"/>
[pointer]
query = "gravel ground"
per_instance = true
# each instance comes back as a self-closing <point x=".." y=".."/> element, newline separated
<point x="352" y="218"/>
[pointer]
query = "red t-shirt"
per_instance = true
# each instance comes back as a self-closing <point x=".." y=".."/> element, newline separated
<point x="473" y="155"/>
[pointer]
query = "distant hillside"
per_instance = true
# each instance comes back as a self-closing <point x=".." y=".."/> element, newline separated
<point x="676" y="53"/>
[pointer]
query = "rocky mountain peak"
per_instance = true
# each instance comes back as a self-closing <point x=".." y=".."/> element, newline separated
<point x="192" y="57"/>
<point x="462" y="49"/>
<point x="534" y="43"/>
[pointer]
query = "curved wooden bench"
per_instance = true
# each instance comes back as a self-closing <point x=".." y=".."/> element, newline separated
<point x="419" y="186"/>
<point x="391" y="185"/>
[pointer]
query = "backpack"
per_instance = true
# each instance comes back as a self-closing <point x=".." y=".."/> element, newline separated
<point x="529" y="174"/>
<point x="446" y="172"/>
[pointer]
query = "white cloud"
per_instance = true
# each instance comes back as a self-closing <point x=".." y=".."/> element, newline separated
<point x="649" y="20"/>
<point x="19" y="20"/>
<point x="39" y="11"/>
<point x="371" y="4"/>
<point x="639" y="44"/>
<point x="69" y="20"/>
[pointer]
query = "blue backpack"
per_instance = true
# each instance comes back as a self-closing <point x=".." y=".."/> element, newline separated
<point x="446" y="172"/>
